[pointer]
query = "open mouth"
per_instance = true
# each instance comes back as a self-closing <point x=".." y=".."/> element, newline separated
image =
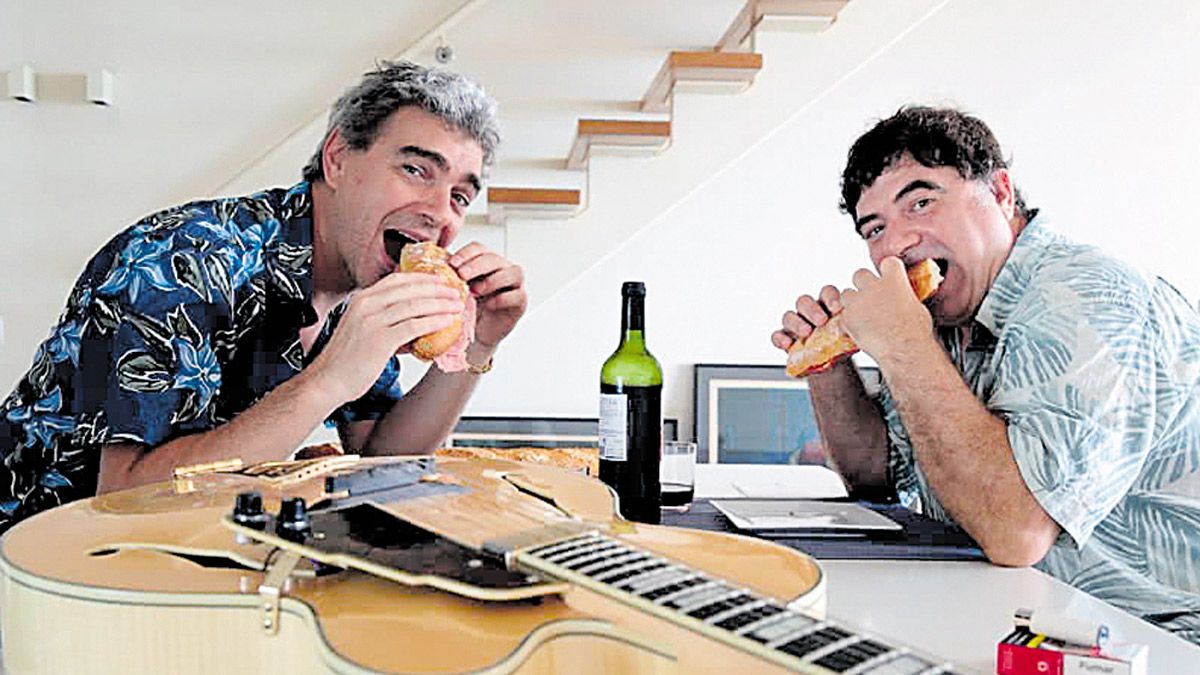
<point x="394" y="242"/>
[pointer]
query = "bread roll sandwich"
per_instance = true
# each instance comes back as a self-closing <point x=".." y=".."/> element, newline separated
<point x="447" y="347"/>
<point x="830" y="343"/>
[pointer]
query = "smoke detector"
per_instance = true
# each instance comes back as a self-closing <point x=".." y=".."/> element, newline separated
<point x="444" y="53"/>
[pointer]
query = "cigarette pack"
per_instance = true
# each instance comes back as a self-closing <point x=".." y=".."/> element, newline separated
<point x="1023" y="652"/>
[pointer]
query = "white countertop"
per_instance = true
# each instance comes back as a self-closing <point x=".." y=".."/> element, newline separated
<point x="956" y="610"/>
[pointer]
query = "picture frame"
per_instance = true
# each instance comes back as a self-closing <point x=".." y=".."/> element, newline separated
<point x="541" y="432"/>
<point x="757" y="414"/>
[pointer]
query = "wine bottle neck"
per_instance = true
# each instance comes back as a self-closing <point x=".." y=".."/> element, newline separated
<point x="633" y="322"/>
<point x="633" y="341"/>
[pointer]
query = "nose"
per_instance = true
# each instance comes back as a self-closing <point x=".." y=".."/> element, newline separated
<point x="438" y="213"/>
<point x="898" y="240"/>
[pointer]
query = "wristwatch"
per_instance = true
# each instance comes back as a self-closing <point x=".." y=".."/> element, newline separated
<point x="480" y="369"/>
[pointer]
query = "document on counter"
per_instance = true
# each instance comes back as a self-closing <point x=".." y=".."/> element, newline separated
<point x="804" y="518"/>
<point x="767" y="481"/>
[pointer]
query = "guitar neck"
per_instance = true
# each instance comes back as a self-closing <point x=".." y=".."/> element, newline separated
<point x="718" y="609"/>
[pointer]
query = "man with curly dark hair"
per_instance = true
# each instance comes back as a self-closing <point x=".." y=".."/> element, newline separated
<point x="232" y="328"/>
<point x="1043" y="398"/>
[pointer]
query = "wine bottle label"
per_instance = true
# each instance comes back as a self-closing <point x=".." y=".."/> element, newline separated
<point x="614" y="420"/>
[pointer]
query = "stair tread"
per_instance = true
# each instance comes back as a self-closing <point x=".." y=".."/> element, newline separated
<point x="629" y="133"/>
<point x="520" y="195"/>
<point x="602" y="127"/>
<point x="715" y="59"/>
<point x="738" y="33"/>
<point x="705" y="65"/>
<point x="826" y="8"/>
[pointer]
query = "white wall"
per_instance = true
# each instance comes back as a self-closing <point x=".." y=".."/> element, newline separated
<point x="1097" y="102"/>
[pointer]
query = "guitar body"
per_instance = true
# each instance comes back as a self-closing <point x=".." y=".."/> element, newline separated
<point x="152" y="580"/>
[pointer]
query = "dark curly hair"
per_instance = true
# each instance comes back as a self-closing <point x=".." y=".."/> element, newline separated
<point x="934" y="137"/>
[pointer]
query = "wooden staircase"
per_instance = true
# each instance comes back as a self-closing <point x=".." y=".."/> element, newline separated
<point x="651" y="134"/>
<point x="530" y="203"/>
<point x="800" y="15"/>
<point x="737" y="68"/>
<point x="731" y="65"/>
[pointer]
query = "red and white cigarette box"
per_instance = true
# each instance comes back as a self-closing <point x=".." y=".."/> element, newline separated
<point x="1023" y="652"/>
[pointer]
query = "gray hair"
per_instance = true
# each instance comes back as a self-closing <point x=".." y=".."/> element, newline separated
<point x="360" y="112"/>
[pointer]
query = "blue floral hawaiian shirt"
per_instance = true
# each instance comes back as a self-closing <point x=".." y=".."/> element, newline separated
<point x="1095" y="369"/>
<point x="178" y="324"/>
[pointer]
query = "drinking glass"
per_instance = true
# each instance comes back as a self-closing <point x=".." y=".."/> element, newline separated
<point x="677" y="473"/>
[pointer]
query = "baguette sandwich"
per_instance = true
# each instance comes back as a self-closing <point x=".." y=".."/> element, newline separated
<point x="830" y="343"/>
<point x="447" y="347"/>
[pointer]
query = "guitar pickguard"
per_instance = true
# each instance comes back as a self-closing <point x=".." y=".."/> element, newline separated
<point x="371" y="540"/>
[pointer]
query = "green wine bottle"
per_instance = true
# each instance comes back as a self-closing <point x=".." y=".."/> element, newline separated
<point x="631" y="414"/>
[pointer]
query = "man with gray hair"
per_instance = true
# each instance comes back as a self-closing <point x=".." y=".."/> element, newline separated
<point x="232" y="328"/>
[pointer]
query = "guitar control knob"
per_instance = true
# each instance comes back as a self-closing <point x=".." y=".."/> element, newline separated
<point x="292" y="522"/>
<point x="248" y="511"/>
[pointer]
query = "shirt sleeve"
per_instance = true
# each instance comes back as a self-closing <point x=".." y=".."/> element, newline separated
<point x="1074" y="383"/>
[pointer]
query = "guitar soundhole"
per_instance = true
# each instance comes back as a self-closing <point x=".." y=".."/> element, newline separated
<point x="206" y="561"/>
<point x="213" y="562"/>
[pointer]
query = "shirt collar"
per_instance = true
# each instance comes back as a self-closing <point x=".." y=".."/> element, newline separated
<point x="998" y="305"/>
<point x="290" y="259"/>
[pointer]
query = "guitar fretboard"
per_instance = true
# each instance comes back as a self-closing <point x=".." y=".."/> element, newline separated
<point x="718" y="609"/>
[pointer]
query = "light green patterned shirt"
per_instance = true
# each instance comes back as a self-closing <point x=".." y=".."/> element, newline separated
<point x="1095" y="369"/>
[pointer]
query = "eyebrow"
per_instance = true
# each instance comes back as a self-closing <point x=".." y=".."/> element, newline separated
<point x="438" y="159"/>
<point x="919" y="184"/>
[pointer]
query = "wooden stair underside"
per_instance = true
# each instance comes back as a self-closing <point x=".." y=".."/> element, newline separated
<point x="809" y="15"/>
<point x="649" y="134"/>
<point x="711" y="66"/>
<point x="531" y="202"/>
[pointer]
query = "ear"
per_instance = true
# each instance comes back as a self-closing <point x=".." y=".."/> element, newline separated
<point x="333" y="158"/>
<point x="1002" y="190"/>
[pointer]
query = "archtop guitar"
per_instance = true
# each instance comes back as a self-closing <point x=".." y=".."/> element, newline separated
<point x="348" y="565"/>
